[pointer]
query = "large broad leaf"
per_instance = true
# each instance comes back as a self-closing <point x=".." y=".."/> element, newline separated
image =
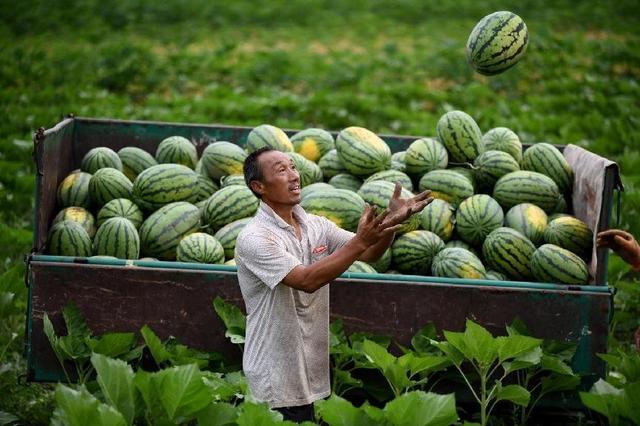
<point x="626" y="364"/>
<point x="218" y="414"/>
<point x="517" y="327"/>
<point x="49" y="331"/>
<point x="337" y="411"/>
<point x="8" y="419"/>
<point x="604" y="399"/>
<point x="557" y="383"/>
<point x="481" y="345"/>
<point x="344" y="381"/>
<point x="514" y="346"/>
<point x="221" y="388"/>
<point x="115" y="378"/>
<point x="393" y="371"/>
<point x="423" y="363"/>
<point x="112" y="344"/>
<point x="514" y="393"/>
<point x="452" y="352"/>
<point x="233" y="318"/>
<point x="252" y="414"/>
<point x="80" y="408"/>
<point x="526" y="360"/>
<point x="631" y="402"/>
<point x="158" y="351"/>
<point x="150" y="395"/>
<point x="76" y="326"/>
<point x="421" y="341"/>
<point x="181" y="391"/>
<point x="555" y="364"/>
<point x="422" y="409"/>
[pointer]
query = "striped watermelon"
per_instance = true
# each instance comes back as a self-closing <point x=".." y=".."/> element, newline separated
<point x="227" y="205"/>
<point x="230" y="262"/>
<point x="561" y="207"/>
<point x="74" y="191"/>
<point x="382" y="265"/>
<point x="425" y="155"/>
<point x="80" y="215"/>
<point x="162" y="231"/>
<point x="99" y="158"/>
<point x="304" y="192"/>
<point x="457" y="263"/>
<point x="268" y="135"/>
<point x="361" y="267"/>
<point x="232" y="180"/>
<point x="414" y="251"/>
<point x="460" y="134"/>
<point x="379" y="192"/>
<point x="164" y="184"/>
<point x="392" y="176"/>
<point x="200" y="248"/>
<point x="526" y="187"/>
<point x="227" y="236"/>
<point x="477" y="217"/>
<point x="308" y="170"/>
<point x="503" y="139"/>
<point x="121" y="207"/>
<point x="508" y="251"/>
<point x="222" y="159"/>
<point x="117" y="237"/>
<point x="107" y="184"/>
<point x="557" y="215"/>
<point x="312" y="143"/>
<point x="362" y="152"/>
<point x="68" y="238"/>
<point x="572" y="234"/>
<point x="528" y="219"/>
<point x="497" y="42"/>
<point x="346" y="181"/>
<point x="398" y="161"/>
<point x="134" y="161"/>
<point x="466" y="172"/>
<point x="553" y="264"/>
<point x="438" y="217"/>
<point x="341" y="206"/>
<point x="495" y="276"/>
<point x="461" y="244"/>
<point x="447" y="185"/>
<point x="547" y="159"/>
<point x="177" y="150"/>
<point x="205" y="187"/>
<point x="331" y="165"/>
<point x="491" y="166"/>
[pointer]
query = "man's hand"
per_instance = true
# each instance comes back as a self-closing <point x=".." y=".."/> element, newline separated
<point x="372" y="228"/>
<point x="623" y="244"/>
<point x="400" y="209"/>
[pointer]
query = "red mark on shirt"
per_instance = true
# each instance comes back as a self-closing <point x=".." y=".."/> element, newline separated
<point x="319" y="249"/>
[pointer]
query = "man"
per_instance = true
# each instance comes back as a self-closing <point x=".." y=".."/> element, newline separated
<point x="285" y="258"/>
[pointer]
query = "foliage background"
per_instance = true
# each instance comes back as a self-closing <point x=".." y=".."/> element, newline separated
<point x="390" y="66"/>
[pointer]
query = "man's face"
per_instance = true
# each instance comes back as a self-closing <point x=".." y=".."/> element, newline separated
<point x="280" y="179"/>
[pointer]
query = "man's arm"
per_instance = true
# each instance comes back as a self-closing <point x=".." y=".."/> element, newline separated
<point x="623" y="244"/>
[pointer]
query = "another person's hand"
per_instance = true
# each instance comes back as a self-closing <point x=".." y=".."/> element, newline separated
<point x="623" y="244"/>
<point x="372" y="228"/>
<point x="400" y="209"/>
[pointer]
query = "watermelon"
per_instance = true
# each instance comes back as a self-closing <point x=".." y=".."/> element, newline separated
<point x="163" y="230"/>
<point x="505" y="140"/>
<point x="497" y="42"/>
<point x="227" y="235"/>
<point x="268" y="135"/>
<point x="382" y="265"/>
<point x="413" y="252"/>
<point x="562" y="206"/>
<point x="361" y="267"/>
<point x="572" y="234"/>
<point x="121" y="207"/>
<point x="557" y="215"/>
<point x="134" y="161"/>
<point x="308" y="170"/>
<point x="74" y="191"/>
<point x="312" y="143"/>
<point x="164" y="184"/>
<point x="476" y="217"/>
<point x="398" y="161"/>
<point x="200" y="248"/>
<point x="508" y="251"/>
<point x="117" y="237"/>
<point x="547" y="159"/>
<point x="447" y="185"/>
<point x="379" y="192"/>
<point x="99" y="158"/>
<point x="331" y="165"/>
<point x="553" y="264"/>
<point x="362" y="152"/>
<point x="466" y="172"/>
<point x="149" y="259"/>
<point x="346" y="181"/>
<point x="392" y="176"/>
<point x="68" y="238"/>
<point x="204" y="188"/>
<point x="177" y="150"/>
<point x="227" y="205"/>
<point x="528" y="219"/>
<point x="460" y="134"/>
<point x="230" y="262"/>
<point x="491" y="166"/>
<point x="495" y="276"/>
<point x="80" y="215"/>
<point x="222" y="159"/>
<point x="107" y="184"/>
<point x="304" y="192"/>
<point x="341" y="206"/>
<point x="461" y="244"/>
<point x="232" y="180"/>
<point x="425" y="155"/>
<point x="438" y="217"/>
<point x="457" y="263"/>
<point x="526" y="187"/>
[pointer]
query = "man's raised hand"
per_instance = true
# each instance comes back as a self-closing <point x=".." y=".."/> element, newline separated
<point x="400" y="209"/>
<point x="372" y="228"/>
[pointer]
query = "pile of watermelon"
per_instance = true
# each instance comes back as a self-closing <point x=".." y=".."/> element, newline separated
<point x="500" y="213"/>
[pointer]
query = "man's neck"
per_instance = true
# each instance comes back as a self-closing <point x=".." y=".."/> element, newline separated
<point x="284" y="211"/>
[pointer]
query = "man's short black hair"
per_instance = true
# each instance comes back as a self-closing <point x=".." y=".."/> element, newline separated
<point x="251" y="168"/>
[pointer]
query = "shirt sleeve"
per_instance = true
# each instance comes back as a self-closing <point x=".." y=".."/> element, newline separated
<point x="336" y="236"/>
<point x="265" y="257"/>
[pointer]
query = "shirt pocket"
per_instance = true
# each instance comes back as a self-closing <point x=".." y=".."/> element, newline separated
<point x="319" y="251"/>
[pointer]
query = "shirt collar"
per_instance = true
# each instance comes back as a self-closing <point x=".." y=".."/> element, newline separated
<point x="268" y="213"/>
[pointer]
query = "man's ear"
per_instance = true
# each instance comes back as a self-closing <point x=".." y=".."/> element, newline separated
<point x="257" y="186"/>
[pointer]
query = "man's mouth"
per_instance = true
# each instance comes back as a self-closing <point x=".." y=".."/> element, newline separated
<point x="295" y="189"/>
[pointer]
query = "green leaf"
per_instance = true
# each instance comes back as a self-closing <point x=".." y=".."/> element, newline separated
<point x="557" y="383"/>
<point x="74" y="347"/>
<point x="336" y="411"/>
<point x="115" y="378"/>
<point x="421" y="341"/>
<point x="181" y="391"/>
<point x="374" y="413"/>
<point x="514" y="393"/>
<point x="631" y="402"/>
<point x="419" y="408"/>
<point x="526" y="360"/>
<point x="604" y="399"/>
<point x="218" y="414"/>
<point x="76" y="326"/>
<point x="233" y="319"/>
<point x="47" y="327"/>
<point x="8" y="419"/>
<point x="80" y="408"/>
<point x="450" y="351"/>
<point x="517" y="327"/>
<point x="377" y="354"/>
<point x="7" y="306"/>
<point x="480" y="344"/>
<point x="514" y="346"/>
<point x="221" y="388"/>
<point x="555" y="364"/>
<point x="158" y="351"/>
<point x="150" y="395"/>
<point x="423" y="364"/>
<point x="112" y="344"/>
<point x="252" y="414"/>
<point x="344" y="380"/>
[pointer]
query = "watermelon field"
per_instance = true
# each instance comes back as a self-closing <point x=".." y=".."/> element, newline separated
<point x="392" y="67"/>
